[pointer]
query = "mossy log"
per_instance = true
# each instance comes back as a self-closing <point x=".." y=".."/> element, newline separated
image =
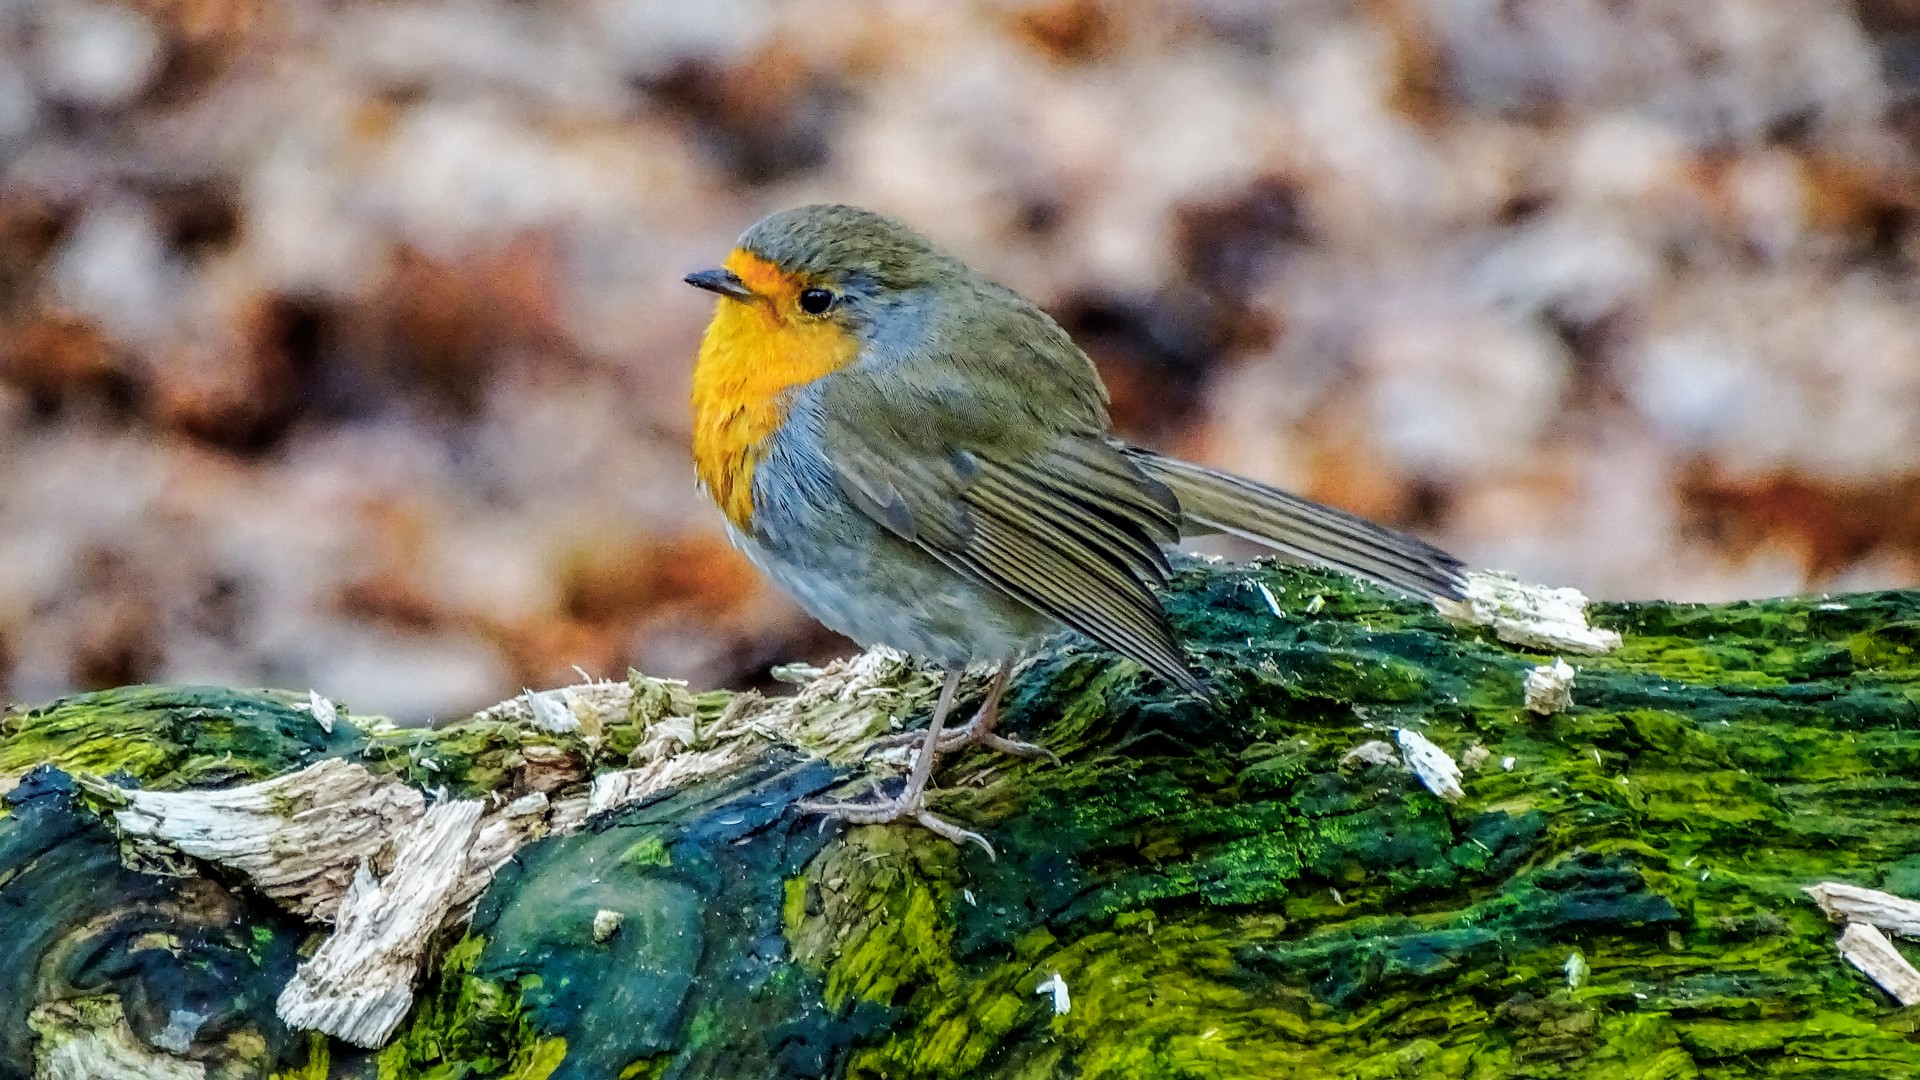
<point x="1246" y="888"/>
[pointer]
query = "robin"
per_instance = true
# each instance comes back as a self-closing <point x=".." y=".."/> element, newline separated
<point x="920" y="457"/>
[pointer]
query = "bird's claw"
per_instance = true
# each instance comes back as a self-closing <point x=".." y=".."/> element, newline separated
<point x="970" y="735"/>
<point x="953" y="832"/>
<point x="1017" y="748"/>
<point x="887" y="811"/>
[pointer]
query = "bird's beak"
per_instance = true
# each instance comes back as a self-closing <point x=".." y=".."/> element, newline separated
<point x="724" y="282"/>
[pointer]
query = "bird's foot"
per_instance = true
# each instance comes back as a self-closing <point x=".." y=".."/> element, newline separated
<point x="884" y="811"/>
<point x="976" y="732"/>
<point x="1016" y="747"/>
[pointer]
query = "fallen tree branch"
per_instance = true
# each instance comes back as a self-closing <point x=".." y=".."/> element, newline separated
<point x="1379" y="855"/>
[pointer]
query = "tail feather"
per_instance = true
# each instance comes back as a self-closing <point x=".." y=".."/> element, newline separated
<point x="1217" y="502"/>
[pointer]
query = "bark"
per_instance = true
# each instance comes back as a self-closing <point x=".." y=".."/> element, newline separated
<point x="1394" y="846"/>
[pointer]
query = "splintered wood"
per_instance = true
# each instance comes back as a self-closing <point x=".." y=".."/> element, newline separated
<point x="338" y="844"/>
<point x="298" y="837"/>
<point x="1855" y="904"/>
<point x="1531" y="615"/>
<point x="309" y="840"/>
<point x="1435" y="768"/>
<point x="1866" y="948"/>
<point x="1417" y="754"/>
<point x="1549" y="688"/>
<point x="359" y="985"/>
<point x="835" y="715"/>
<point x="1371" y="752"/>
<point x="1867" y="912"/>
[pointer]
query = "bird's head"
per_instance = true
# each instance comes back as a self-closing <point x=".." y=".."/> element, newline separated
<point x="814" y="273"/>
<point x="804" y="293"/>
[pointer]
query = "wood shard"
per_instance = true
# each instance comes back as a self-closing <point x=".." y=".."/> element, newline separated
<point x="1549" y="688"/>
<point x="499" y="836"/>
<point x="612" y="790"/>
<point x="323" y="711"/>
<point x="1372" y="752"/>
<point x="297" y="837"/>
<point x="549" y="711"/>
<point x="1430" y="763"/>
<point x="1866" y="948"/>
<point x="566" y="709"/>
<point x="606" y="923"/>
<point x="359" y="985"/>
<point x="1576" y="969"/>
<point x="1057" y="986"/>
<point x="836" y="714"/>
<point x="1852" y="903"/>
<point x="1531" y="615"/>
<point x="533" y="802"/>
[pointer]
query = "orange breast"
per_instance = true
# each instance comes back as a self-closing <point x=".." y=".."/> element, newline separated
<point x="755" y="355"/>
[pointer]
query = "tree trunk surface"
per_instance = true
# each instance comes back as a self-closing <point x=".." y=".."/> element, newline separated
<point x="609" y="880"/>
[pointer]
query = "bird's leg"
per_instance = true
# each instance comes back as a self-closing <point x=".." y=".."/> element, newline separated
<point x="912" y="800"/>
<point x="979" y="730"/>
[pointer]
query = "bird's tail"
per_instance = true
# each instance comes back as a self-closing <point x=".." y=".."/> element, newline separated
<point x="1217" y="502"/>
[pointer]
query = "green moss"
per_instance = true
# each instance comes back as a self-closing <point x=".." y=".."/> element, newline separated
<point x="648" y="851"/>
<point x="653" y="1067"/>
<point x="466" y="1025"/>
<point x="469" y="758"/>
<point x="319" y="1064"/>
<point x="1223" y="894"/>
<point x="900" y="936"/>
<point x="170" y="737"/>
<point x="540" y="1060"/>
<point x="1224" y="898"/>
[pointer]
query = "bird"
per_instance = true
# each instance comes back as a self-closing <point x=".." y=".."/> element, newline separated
<point x="923" y="459"/>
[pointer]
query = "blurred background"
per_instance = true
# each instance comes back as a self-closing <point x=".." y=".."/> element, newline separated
<point x="343" y="345"/>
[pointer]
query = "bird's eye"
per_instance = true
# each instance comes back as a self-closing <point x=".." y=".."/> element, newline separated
<point x="815" y="301"/>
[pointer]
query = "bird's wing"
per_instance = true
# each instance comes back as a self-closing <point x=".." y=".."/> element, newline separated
<point x="1216" y="502"/>
<point x="980" y="474"/>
